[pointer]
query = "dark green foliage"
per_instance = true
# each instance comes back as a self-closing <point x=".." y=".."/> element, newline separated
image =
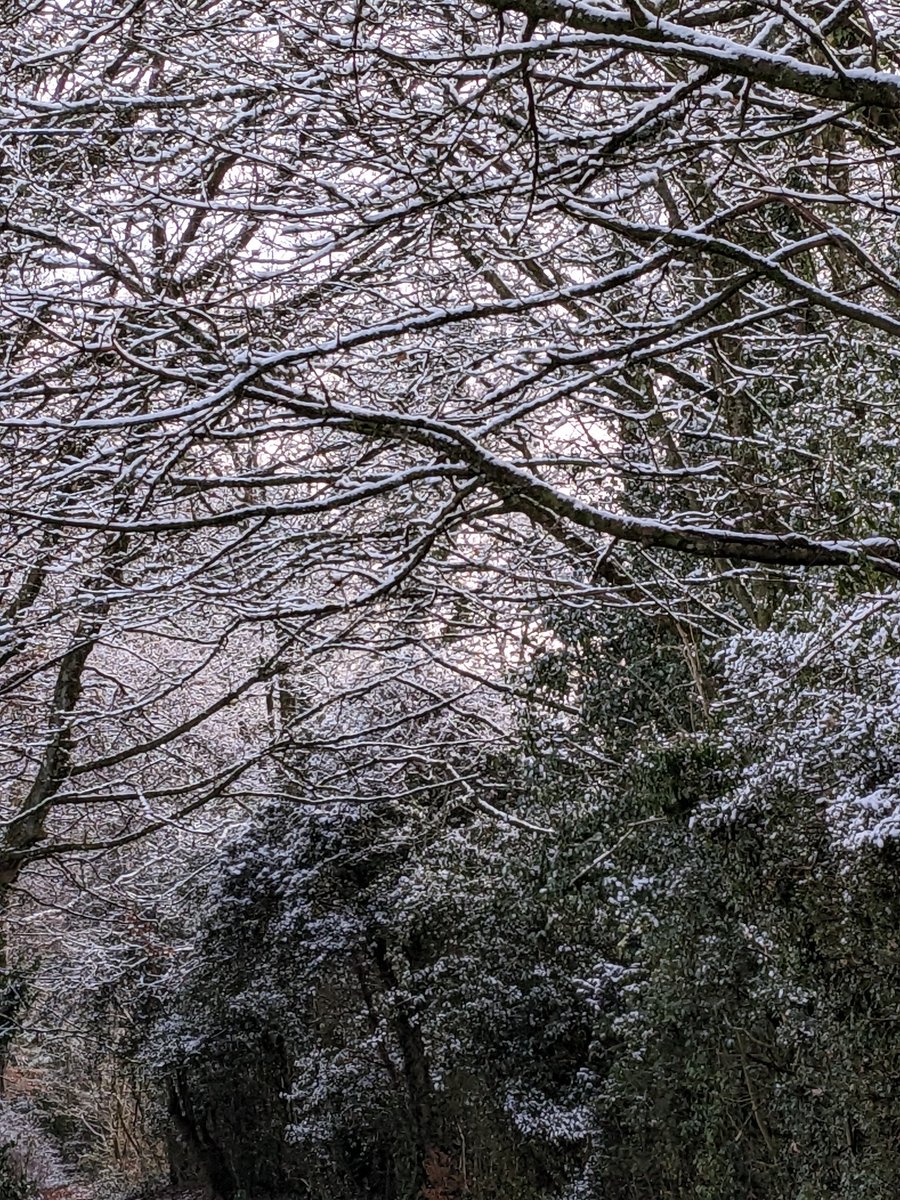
<point x="750" y="1045"/>
<point x="13" y="1184"/>
<point x="628" y="676"/>
<point x="689" y="990"/>
<point x="377" y="997"/>
<point x="756" y="1050"/>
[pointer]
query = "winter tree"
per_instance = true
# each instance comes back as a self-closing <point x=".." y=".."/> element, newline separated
<point x="371" y="371"/>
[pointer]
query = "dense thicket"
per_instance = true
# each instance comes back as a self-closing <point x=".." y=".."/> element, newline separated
<point x="687" y="990"/>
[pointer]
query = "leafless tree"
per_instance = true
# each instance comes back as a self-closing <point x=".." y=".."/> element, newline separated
<point x="338" y="339"/>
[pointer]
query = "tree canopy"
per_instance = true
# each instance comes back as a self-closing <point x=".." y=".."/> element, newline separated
<point x="450" y="497"/>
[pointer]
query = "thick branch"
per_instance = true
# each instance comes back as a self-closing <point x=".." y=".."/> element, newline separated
<point x="862" y="86"/>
